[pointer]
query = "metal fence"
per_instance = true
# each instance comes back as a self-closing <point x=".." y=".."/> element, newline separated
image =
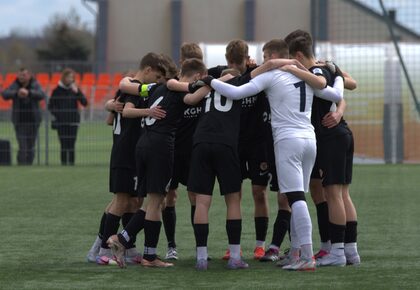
<point x="379" y="45"/>
<point x="377" y="42"/>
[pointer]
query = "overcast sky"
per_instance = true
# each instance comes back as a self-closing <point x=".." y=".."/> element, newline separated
<point x="31" y="15"/>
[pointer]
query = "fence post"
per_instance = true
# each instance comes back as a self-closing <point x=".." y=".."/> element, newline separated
<point x="393" y="129"/>
<point x="47" y="127"/>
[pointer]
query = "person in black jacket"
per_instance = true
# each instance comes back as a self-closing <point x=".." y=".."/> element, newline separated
<point x="26" y="115"/>
<point x="63" y="106"/>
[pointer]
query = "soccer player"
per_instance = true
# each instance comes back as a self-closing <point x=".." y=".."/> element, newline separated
<point x="123" y="179"/>
<point x="335" y="161"/>
<point x="215" y="155"/>
<point x="154" y="157"/>
<point x="182" y="157"/>
<point x="275" y="49"/>
<point x="330" y="120"/>
<point x="294" y="143"/>
<point x="252" y="147"/>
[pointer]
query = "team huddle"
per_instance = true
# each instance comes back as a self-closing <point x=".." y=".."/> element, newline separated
<point x="279" y="124"/>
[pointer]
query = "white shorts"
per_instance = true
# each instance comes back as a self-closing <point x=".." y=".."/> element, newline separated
<point x="295" y="159"/>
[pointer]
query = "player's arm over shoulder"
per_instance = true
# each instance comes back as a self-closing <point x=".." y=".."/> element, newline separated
<point x="128" y="86"/>
<point x="315" y="78"/>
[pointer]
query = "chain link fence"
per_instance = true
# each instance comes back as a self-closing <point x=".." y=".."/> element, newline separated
<point x="377" y="42"/>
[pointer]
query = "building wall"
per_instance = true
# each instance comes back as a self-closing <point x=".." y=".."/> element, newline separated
<point x="212" y="21"/>
<point x="139" y="26"/>
<point x="275" y="19"/>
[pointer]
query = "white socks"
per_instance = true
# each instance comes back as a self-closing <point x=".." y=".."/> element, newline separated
<point x="260" y="244"/>
<point x="301" y="222"/>
<point x="326" y="246"/>
<point x="337" y="249"/>
<point x="202" y="253"/>
<point x="350" y="249"/>
<point x="235" y="251"/>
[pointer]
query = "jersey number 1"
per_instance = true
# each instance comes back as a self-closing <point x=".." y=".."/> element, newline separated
<point x="302" y="87"/>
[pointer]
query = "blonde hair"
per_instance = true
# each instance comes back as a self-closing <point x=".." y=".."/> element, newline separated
<point x="190" y="50"/>
<point x="236" y="51"/>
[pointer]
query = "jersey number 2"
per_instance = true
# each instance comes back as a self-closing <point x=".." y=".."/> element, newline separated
<point x="302" y="87"/>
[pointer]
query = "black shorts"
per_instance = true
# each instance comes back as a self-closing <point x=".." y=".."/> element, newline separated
<point x="210" y="160"/>
<point x="123" y="180"/>
<point x="254" y="164"/>
<point x="155" y="160"/>
<point x="316" y="170"/>
<point x="181" y="169"/>
<point x="336" y="159"/>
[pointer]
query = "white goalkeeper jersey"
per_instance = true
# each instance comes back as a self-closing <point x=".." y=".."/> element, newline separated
<point x="290" y="102"/>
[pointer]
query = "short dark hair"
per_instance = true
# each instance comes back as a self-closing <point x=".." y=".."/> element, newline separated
<point x="278" y="46"/>
<point x="192" y="66"/>
<point x="236" y="51"/>
<point x="154" y="61"/>
<point x="301" y="44"/>
<point x="298" y="33"/>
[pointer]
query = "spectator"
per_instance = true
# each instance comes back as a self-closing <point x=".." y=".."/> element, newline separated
<point x="64" y="107"/>
<point x="26" y="115"/>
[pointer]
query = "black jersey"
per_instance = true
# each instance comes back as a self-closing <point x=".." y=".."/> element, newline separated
<point x="253" y="115"/>
<point x="126" y="132"/>
<point x="321" y="107"/>
<point x="220" y="120"/>
<point x="171" y="102"/>
<point x="186" y="128"/>
<point x="216" y="71"/>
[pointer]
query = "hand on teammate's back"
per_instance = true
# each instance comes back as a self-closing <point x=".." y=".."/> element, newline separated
<point x="157" y="113"/>
<point x="194" y="86"/>
<point x="207" y="80"/>
<point x="332" y="119"/>
<point x="334" y="69"/>
<point x="118" y="106"/>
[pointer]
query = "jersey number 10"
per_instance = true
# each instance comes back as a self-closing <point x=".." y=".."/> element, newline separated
<point x="218" y="103"/>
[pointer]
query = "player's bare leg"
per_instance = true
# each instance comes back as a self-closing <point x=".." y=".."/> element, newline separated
<point x="192" y="197"/>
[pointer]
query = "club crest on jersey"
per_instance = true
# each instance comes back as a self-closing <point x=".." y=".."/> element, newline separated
<point x="263" y="166"/>
<point x="317" y="70"/>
